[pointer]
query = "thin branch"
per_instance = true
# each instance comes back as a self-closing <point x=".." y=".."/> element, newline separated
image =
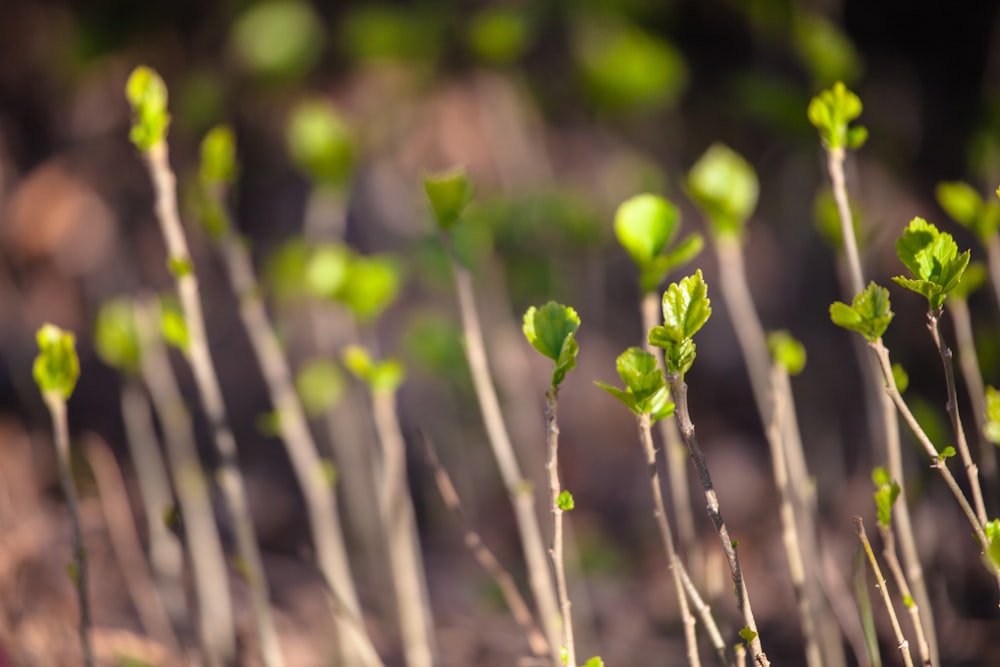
<point x="892" y="560"/>
<point x="901" y="642"/>
<point x="835" y="158"/>
<point x="993" y="261"/>
<point x="679" y="390"/>
<point x="556" y="552"/>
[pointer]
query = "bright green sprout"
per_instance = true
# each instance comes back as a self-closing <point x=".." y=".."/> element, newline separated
<point x="886" y="492"/>
<point x="869" y="314"/>
<point x="565" y="501"/>
<point x="594" y="662"/>
<point x="57" y="368"/>
<point x="787" y="351"/>
<point x="725" y="187"/>
<point x="946" y="453"/>
<point x="147" y="95"/>
<point x="686" y="308"/>
<point x="116" y="337"/>
<point x="747" y="635"/>
<point x="449" y="192"/>
<point x="380" y="376"/>
<point x="173" y="327"/>
<point x="966" y="206"/>
<point x="992" y="530"/>
<point x="645" y="225"/>
<point x="934" y="261"/>
<point x="551" y="330"/>
<point x="646" y="391"/>
<point x="831" y="112"/>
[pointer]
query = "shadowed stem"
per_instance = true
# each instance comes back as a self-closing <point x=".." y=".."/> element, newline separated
<point x="663" y="523"/>
<point x="518" y="488"/>
<point x="60" y="426"/>
<point x="552" y="435"/>
<point x="901" y="641"/>
<point x="993" y="261"/>
<point x="892" y="560"/>
<point x="679" y="390"/>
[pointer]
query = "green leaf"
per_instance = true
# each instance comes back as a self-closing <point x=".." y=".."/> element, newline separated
<point x="449" y="193"/>
<point x="383" y="376"/>
<point x="725" y="187"/>
<point x="565" y="501"/>
<point x="975" y="276"/>
<point x="831" y="112"/>
<point x="173" y="327"/>
<point x="147" y="96"/>
<point x="320" y="143"/>
<point x="886" y="492"/>
<point x="682" y="253"/>
<point x="646" y="390"/>
<point x="594" y="662"/>
<point x="869" y="314"/>
<point x="787" y="351"/>
<point x="372" y="284"/>
<point x="551" y="330"/>
<point x="327" y="270"/>
<point x="56" y="368"/>
<point x="747" y="635"/>
<point x="644" y="225"/>
<point x="960" y="201"/>
<point x="116" y="338"/>
<point x="933" y="259"/>
<point x="320" y="385"/>
<point x="623" y="395"/>
<point x="686" y="307"/>
<point x="992" y="427"/>
<point x="880" y="476"/>
<point x="218" y="156"/>
<point x="946" y="453"/>
<point x="900" y="377"/>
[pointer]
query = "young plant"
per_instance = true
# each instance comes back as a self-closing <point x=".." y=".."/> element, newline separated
<point x="449" y="194"/>
<point x="56" y="370"/>
<point x="686" y="308"/>
<point x="551" y="329"/>
<point x="646" y="226"/>
<point x="217" y="173"/>
<point x="147" y="95"/>
<point x="405" y="560"/>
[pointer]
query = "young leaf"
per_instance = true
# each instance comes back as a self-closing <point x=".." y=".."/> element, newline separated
<point x="747" y="635"/>
<point x="320" y="143"/>
<point x="115" y="336"/>
<point x="173" y="327"/>
<point x="992" y="427"/>
<point x="594" y="662"/>
<point x="382" y="376"/>
<point x="686" y="307"/>
<point x="933" y="259"/>
<point x="551" y="330"/>
<point x="56" y="368"/>
<point x="787" y="351"/>
<point x="565" y="501"/>
<point x="946" y="453"/>
<point x="886" y="493"/>
<point x="449" y="192"/>
<point x="327" y="269"/>
<point x="900" y="377"/>
<point x="644" y="225"/>
<point x="831" y="112"/>
<point x="869" y="314"/>
<point x="960" y="201"/>
<point x="147" y="96"/>
<point x="725" y="187"/>
<point x="218" y="156"/>
<point x="646" y="389"/>
<point x="371" y="285"/>
<point x="992" y="529"/>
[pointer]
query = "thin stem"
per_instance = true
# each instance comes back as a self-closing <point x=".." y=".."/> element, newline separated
<point x="968" y="362"/>
<point x="663" y="523"/>
<point x="229" y="477"/>
<point x="971" y="470"/>
<point x="402" y="542"/>
<point x="892" y="560"/>
<point x="60" y="426"/>
<point x="487" y="560"/>
<point x="835" y="158"/>
<point x="216" y="633"/>
<point x="519" y="490"/>
<point x="552" y="436"/>
<point x="993" y="262"/>
<point x="901" y="642"/>
<point x="705" y="614"/>
<point x="308" y="466"/>
<point x="679" y="390"/>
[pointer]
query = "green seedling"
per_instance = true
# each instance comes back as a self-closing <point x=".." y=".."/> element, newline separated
<point x="381" y="376"/>
<point x="934" y="261"/>
<point x="147" y="95"/>
<point x="449" y="193"/>
<point x="967" y="207"/>
<point x="551" y="329"/>
<point x="646" y="391"/>
<point x="831" y="112"/>
<point x="787" y="351"/>
<point x="725" y="187"/>
<point x="645" y="226"/>
<point x="869" y="314"/>
<point x="686" y="308"/>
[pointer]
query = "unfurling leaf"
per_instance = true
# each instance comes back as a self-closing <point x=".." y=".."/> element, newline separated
<point x="747" y="635"/>
<point x="645" y="225"/>
<point x="725" y="187"/>
<point x="933" y="260"/>
<point x="551" y="330"/>
<point x="218" y="156"/>
<point x="449" y="192"/>
<point x="147" y="95"/>
<point x="646" y="389"/>
<point x="565" y="501"/>
<point x="831" y="112"/>
<point x="886" y="493"/>
<point x="56" y="368"/>
<point x="686" y="308"/>
<point x="869" y="314"/>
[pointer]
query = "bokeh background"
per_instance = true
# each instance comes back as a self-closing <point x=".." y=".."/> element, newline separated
<point x="560" y="111"/>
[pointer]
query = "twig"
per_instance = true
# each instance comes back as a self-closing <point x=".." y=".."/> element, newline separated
<point x="993" y="261"/>
<point x="552" y="436"/>
<point x="663" y="523"/>
<point x="901" y="642"/>
<point x="60" y="425"/>
<point x="892" y="560"/>
<point x="487" y="560"/>
<point x="679" y="389"/>
<point x="519" y="490"/>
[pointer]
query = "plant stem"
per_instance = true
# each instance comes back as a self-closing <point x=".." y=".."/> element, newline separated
<point x="402" y="542"/>
<point x="969" y="363"/>
<point x="230" y="478"/>
<point x="892" y="560"/>
<point x="901" y="641"/>
<point x="971" y="470"/>
<point x="519" y="490"/>
<point x="321" y="501"/>
<point x="216" y="631"/>
<point x="487" y="560"/>
<point x="679" y="390"/>
<point x="675" y="452"/>
<point x="835" y="158"/>
<point x="56" y="404"/>
<point x="663" y="523"/>
<point x="556" y="552"/>
<point x="993" y="261"/>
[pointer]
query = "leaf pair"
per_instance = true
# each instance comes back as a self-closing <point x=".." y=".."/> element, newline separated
<point x="380" y="376"/>
<point x="645" y="225"/>
<point x="646" y="391"/>
<point x="551" y="329"/>
<point x="725" y="187"/>
<point x="147" y="95"/>
<point x="686" y="308"/>
<point x="869" y="314"/>
<point x="366" y="285"/>
<point x="831" y="112"/>
<point x="933" y="259"/>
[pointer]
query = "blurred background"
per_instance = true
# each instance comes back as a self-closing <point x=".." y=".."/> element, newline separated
<point x="560" y="111"/>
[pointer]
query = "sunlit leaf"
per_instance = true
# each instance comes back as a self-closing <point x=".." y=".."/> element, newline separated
<point x="57" y="367"/>
<point x="449" y="193"/>
<point x="725" y="187"/>
<point x="787" y="351"/>
<point x="869" y="314"/>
